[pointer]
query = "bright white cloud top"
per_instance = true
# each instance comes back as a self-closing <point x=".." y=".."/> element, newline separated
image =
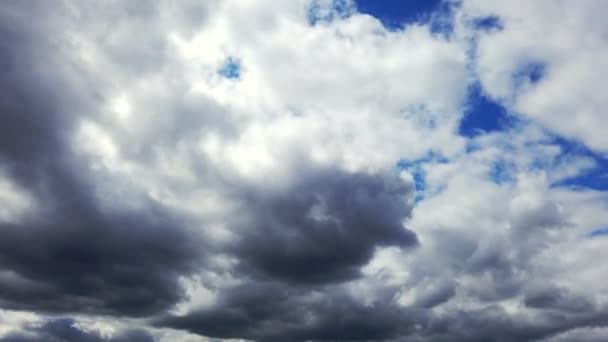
<point x="303" y="171"/>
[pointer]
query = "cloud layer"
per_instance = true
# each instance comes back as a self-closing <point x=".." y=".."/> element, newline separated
<point x="302" y="171"/>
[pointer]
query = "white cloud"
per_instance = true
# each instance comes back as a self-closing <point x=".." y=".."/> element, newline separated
<point x="568" y="38"/>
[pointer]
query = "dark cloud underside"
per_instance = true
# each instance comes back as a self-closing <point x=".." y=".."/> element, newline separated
<point x="273" y="312"/>
<point x="72" y="254"/>
<point x="65" y="330"/>
<point x="324" y="227"/>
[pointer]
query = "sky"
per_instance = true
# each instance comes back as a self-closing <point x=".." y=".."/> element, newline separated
<point x="303" y="170"/>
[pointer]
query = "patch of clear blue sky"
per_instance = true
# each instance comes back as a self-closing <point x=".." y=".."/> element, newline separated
<point x="599" y="232"/>
<point x="595" y="178"/>
<point x="489" y="23"/>
<point x="483" y="114"/>
<point x="394" y="14"/>
<point x="230" y="68"/>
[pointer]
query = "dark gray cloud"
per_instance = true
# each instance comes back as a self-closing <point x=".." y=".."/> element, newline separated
<point x="72" y="253"/>
<point x="324" y="227"/>
<point x="296" y="238"/>
<point x="66" y="330"/>
<point x="440" y="291"/>
<point x="274" y="312"/>
<point x="494" y="324"/>
<point x="555" y="298"/>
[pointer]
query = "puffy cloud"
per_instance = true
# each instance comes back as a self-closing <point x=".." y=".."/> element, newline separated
<point x="546" y="62"/>
<point x="70" y="252"/>
<point x="325" y="227"/>
<point x="268" y="312"/>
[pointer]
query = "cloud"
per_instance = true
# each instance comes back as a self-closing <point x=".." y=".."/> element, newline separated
<point x="494" y="323"/>
<point x="66" y="330"/>
<point x="325" y="227"/>
<point x="297" y="170"/>
<point x="269" y="312"/>
<point x="545" y="62"/>
<point x="555" y="298"/>
<point x="72" y="252"/>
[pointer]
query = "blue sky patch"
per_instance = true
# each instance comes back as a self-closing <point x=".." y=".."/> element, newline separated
<point x="395" y="14"/>
<point x="489" y="23"/>
<point x="483" y="115"/>
<point x="231" y="68"/>
<point x="599" y="232"/>
<point x="595" y="178"/>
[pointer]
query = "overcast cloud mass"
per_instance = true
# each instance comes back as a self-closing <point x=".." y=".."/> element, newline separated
<point x="303" y="170"/>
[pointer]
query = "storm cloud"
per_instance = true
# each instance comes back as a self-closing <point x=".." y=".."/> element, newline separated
<point x="325" y="227"/>
<point x="66" y="330"/>
<point x="271" y="312"/>
<point x="73" y="253"/>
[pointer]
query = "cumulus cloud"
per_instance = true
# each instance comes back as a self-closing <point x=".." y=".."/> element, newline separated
<point x="269" y="312"/>
<point x="325" y="227"/>
<point x="545" y="62"/>
<point x="71" y="252"/>
<point x="298" y="171"/>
